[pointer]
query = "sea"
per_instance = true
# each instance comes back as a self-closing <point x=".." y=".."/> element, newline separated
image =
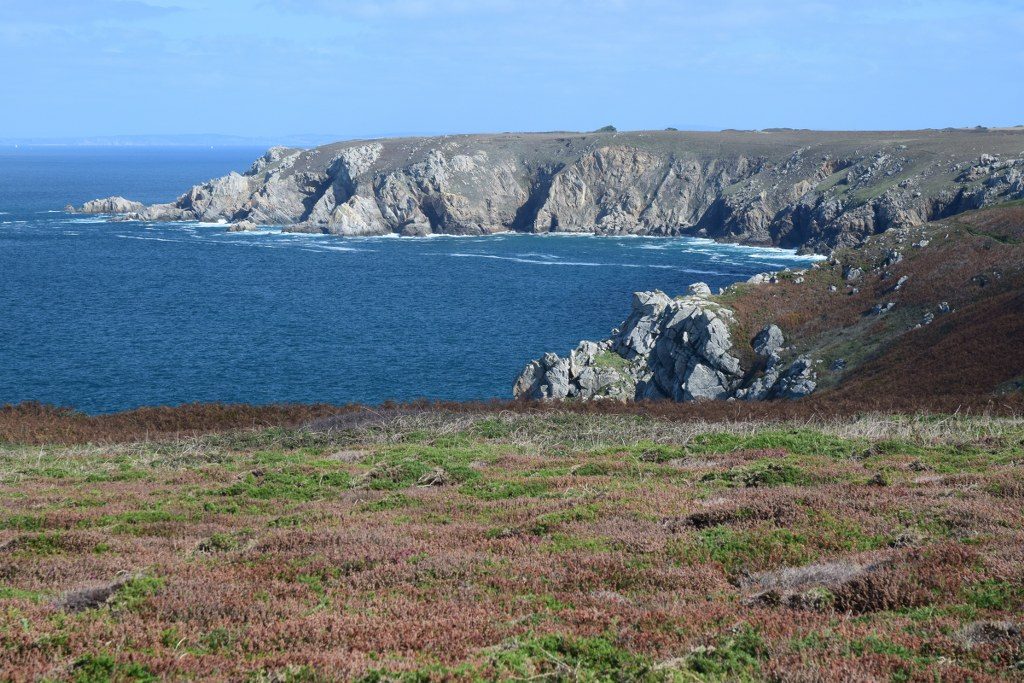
<point x="103" y="316"/>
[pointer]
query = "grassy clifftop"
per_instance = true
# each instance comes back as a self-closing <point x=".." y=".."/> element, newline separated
<point x="424" y="544"/>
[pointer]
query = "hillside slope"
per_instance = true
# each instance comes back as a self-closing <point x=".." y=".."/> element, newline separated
<point x="813" y="190"/>
<point x="924" y="313"/>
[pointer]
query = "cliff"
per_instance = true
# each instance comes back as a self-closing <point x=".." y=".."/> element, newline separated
<point x="799" y="189"/>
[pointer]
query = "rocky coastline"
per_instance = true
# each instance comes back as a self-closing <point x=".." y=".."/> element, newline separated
<point x="813" y="191"/>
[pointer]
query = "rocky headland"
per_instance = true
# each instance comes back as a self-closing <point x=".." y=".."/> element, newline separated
<point x="798" y="189"/>
<point x="929" y="312"/>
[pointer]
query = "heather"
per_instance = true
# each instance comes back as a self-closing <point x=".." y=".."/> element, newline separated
<point x="419" y="543"/>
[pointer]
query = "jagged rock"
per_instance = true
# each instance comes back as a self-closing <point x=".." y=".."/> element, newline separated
<point x="796" y="382"/>
<point x="678" y="349"/>
<point x="852" y="273"/>
<point x="768" y="340"/>
<point x="699" y="289"/>
<point x="892" y="258"/>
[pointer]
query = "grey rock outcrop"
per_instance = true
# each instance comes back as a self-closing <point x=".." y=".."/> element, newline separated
<point x="789" y="188"/>
<point x="668" y="348"/>
<point x="108" y="205"/>
<point x="768" y="341"/>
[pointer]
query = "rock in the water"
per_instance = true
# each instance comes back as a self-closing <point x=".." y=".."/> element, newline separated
<point x="110" y="205"/>
<point x="243" y="226"/>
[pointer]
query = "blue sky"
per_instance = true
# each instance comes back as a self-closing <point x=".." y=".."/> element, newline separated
<point x="359" y="68"/>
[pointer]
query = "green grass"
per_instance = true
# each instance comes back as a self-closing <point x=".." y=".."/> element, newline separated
<point x="794" y="441"/>
<point x="394" y="501"/>
<point x="134" y="593"/>
<point x="734" y="657"/>
<point x="994" y="594"/>
<point x="611" y="360"/>
<point x="546" y="523"/>
<point x="292" y="483"/>
<point x="746" y="549"/>
<point x="561" y="657"/>
<point x="103" y="667"/>
<point x="502" y="490"/>
<point x="762" y="474"/>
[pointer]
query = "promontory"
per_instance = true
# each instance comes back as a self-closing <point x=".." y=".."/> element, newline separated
<point x="793" y="188"/>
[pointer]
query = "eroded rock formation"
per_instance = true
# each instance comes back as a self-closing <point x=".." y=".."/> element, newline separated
<point x="679" y="349"/>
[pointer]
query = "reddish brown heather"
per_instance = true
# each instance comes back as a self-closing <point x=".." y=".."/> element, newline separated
<point x="33" y="423"/>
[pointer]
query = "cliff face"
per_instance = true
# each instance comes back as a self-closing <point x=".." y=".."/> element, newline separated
<point x="790" y="188"/>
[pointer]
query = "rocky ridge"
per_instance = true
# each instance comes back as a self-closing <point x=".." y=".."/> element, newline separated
<point x="799" y="189"/>
<point x="670" y="348"/>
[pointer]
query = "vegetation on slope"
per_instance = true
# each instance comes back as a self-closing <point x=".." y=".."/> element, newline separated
<point x="417" y="545"/>
<point x="953" y="331"/>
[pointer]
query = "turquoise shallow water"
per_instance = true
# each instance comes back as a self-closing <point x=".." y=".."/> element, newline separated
<point x="106" y="316"/>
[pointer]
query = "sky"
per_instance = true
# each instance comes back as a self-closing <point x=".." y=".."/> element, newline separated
<point x="359" y="68"/>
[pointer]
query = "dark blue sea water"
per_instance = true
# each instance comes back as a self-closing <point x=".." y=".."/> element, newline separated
<point x="104" y="316"/>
